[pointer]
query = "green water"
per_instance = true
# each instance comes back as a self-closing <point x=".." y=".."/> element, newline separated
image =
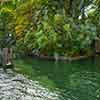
<point x="77" y="80"/>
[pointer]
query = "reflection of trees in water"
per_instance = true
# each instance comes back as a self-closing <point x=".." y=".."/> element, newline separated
<point x="83" y="86"/>
<point x="55" y="71"/>
<point x="76" y="81"/>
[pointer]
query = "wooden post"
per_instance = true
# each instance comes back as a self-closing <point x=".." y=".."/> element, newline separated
<point x="97" y="45"/>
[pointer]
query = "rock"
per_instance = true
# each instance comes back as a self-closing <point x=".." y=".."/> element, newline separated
<point x="15" y="86"/>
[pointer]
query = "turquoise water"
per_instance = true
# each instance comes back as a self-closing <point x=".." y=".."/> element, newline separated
<point x="77" y="80"/>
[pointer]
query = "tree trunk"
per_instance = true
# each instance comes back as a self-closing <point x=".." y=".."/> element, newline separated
<point x="97" y="43"/>
<point x="68" y="7"/>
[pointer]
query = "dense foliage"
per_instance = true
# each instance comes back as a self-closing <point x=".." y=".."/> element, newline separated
<point x="67" y="27"/>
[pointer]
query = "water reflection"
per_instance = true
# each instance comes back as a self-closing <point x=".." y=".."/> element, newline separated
<point x="77" y="80"/>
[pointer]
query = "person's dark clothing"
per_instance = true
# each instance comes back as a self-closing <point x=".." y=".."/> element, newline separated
<point x="8" y="40"/>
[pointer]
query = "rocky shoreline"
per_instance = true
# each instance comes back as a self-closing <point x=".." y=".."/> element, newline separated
<point x="15" y="86"/>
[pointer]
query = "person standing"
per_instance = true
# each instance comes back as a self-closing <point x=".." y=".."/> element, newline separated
<point x="7" y="51"/>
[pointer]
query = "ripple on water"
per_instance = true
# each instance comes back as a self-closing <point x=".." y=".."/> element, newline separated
<point x="82" y="86"/>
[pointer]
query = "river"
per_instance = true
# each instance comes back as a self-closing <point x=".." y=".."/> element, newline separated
<point x="77" y="80"/>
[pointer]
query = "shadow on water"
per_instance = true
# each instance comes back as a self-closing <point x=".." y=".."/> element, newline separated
<point x="77" y="80"/>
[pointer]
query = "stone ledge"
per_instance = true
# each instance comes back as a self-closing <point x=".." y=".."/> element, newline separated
<point x="62" y="58"/>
